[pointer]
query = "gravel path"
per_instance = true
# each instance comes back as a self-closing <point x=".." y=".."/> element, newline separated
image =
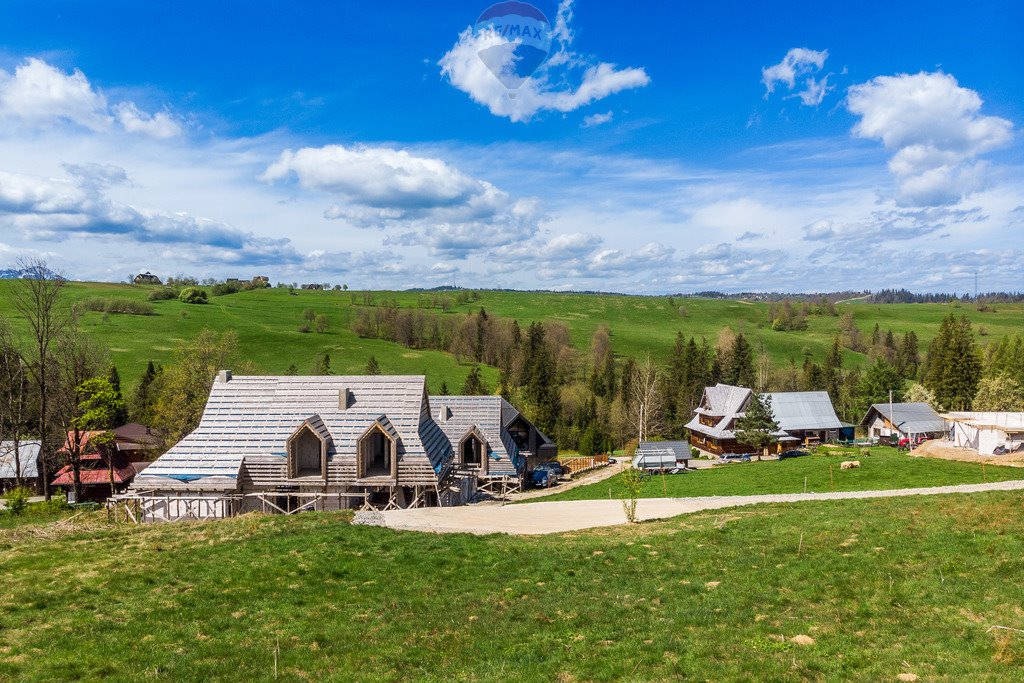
<point x="592" y="477"/>
<point x="572" y="515"/>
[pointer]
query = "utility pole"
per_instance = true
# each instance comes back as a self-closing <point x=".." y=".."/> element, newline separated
<point x="892" y="418"/>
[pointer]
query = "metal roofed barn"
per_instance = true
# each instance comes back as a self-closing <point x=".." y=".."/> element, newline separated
<point x="905" y="420"/>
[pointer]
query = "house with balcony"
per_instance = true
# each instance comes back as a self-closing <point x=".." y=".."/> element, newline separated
<point x="804" y="418"/>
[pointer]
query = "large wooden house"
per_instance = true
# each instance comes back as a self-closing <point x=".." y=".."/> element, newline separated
<point x="804" y="417"/>
<point x="286" y="443"/>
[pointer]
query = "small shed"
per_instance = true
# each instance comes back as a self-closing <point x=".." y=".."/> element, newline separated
<point x="662" y="455"/>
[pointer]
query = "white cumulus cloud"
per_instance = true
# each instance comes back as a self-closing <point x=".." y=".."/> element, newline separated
<point x="159" y="125"/>
<point x="799" y="63"/>
<point x="429" y="201"/>
<point x="597" y="119"/>
<point x="935" y="130"/>
<point x="38" y="94"/>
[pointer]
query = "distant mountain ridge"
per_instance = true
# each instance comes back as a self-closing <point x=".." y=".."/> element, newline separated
<point x="19" y="273"/>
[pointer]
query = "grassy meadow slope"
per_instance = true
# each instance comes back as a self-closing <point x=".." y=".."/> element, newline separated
<point x="267" y="324"/>
<point x="882" y="469"/>
<point x="882" y="587"/>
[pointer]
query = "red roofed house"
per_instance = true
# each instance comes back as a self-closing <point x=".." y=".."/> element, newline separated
<point x="129" y="441"/>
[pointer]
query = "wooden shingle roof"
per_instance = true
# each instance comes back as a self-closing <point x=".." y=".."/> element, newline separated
<point x="253" y="416"/>
<point x="490" y="415"/>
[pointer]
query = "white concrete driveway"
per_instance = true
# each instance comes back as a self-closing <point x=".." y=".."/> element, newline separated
<point x="572" y="515"/>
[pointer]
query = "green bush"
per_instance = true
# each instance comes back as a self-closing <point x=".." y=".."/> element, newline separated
<point x="17" y="499"/>
<point x="52" y="506"/>
<point x="193" y="295"/>
<point x="119" y="305"/>
<point x="224" y="288"/>
<point x="164" y="294"/>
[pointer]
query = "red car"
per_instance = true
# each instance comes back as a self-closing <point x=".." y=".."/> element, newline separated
<point x="906" y="443"/>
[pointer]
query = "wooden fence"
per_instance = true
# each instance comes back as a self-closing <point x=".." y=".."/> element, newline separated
<point x="582" y="464"/>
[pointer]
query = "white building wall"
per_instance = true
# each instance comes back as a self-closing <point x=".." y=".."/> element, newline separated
<point x="988" y="439"/>
<point x="964" y="435"/>
<point x="984" y="440"/>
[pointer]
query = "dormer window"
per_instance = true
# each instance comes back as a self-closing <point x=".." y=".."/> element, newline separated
<point x="520" y="433"/>
<point x="307" y="452"/>
<point x="472" y="451"/>
<point x="377" y="453"/>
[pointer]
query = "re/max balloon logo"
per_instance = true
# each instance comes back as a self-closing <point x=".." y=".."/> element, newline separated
<point x="518" y="40"/>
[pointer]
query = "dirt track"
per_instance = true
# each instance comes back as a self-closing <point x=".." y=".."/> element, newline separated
<point x="944" y="451"/>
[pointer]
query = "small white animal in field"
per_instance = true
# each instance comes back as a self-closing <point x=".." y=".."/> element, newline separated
<point x="850" y="464"/>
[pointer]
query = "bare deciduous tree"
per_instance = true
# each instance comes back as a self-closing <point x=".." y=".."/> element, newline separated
<point x="38" y="297"/>
<point x="77" y="359"/>
<point x="645" y="399"/>
<point x="14" y="399"/>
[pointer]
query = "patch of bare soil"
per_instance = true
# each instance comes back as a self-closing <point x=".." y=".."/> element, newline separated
<point x="946" y="451"/>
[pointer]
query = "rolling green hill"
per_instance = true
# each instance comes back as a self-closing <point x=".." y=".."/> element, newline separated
<point x="267" y="324"/>
<point x="877" y="587"/>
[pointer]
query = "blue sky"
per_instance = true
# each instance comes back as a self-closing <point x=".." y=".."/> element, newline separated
<point x="659" y="149"/>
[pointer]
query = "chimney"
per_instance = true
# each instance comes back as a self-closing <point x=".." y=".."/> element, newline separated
<point x="344" y="398"/>
<point x="224" y="376"/>
<point x="443" y="414"/>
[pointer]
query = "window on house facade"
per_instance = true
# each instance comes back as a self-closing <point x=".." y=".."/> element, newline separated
<point x="305" y="449"/>
<point x="472" y="451"/>
<point x="520" y="434"/>
<point x="376" y="454"/>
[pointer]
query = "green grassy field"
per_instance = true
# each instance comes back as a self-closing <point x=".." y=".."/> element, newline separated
<point x="882" y="587"/>
<point x="267" y="323"/>
<point x="885" y="468"/>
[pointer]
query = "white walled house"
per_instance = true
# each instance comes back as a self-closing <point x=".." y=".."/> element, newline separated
<point x="988" y="433"/>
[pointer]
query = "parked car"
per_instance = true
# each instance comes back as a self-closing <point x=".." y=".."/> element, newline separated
<point x="558" y="468"/>
<point x="794" y="453"/>
<point x="542" y="478"/>
<point x="735" y="457"/>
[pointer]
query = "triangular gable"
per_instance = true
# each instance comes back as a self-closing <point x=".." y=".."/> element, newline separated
<point x="316" y="425"/>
